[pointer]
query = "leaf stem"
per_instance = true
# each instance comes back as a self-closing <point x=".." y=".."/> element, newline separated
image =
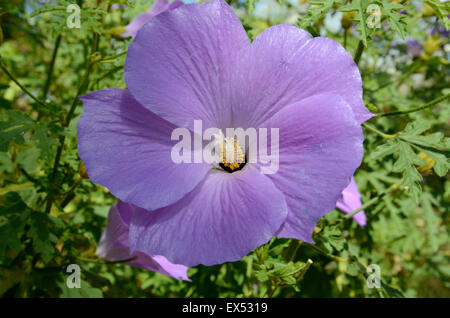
<point x="427" y="105"/>
<point x="345" y="38"/>
<point x="71" y="193"/>
<point x="382" y="134"/>
<point x="359" y="51"/>
<point x="100" y="261"/>
<point x="320" y="251"/>
<point x="26" y="91"/>
<point x="374" y="200"/>
<point x="51" y="67"/>
<point x="294" y="249"/>
<point x="112" y="57"/>
<point x="66" y="122"/>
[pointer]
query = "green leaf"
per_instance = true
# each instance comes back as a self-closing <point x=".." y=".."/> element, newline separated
<point x="331" y="237"/>
<point x="407" y="160"/>
<point x="441" y="164"/>
<point x="433" y="145"/>
<point x="396" y="20"/>
<point x="384" y="150"/>
<point x="432" y="221"/>
<point x="316" y="11"/>
<point x="13" y="218"/>
<point x="442" y="9"/>
<point x="353" y="269"/>
<point x="406" y="163"/>
<point x="45" y="142"/>
<point x="85" y="291"/>
<point x="41" y="232"/>
<point x="13" y="129"/>
<point x="360" y="6"/>
<point x="391" y="291"/>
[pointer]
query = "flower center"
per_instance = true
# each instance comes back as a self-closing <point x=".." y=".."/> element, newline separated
<point x="232" y="157"/>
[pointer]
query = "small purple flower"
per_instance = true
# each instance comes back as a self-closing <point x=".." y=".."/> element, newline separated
<point x="116" y="6"/>
<point x="441" y="31"/>
<point x="159" y="6"/>
<point x="197" y="63"/>
<point x="350" y="200"/>
<point x="114" y="245"/>
<point x="415" y="48"/>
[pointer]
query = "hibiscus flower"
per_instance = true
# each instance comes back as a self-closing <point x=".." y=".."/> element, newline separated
<point x="197" y="63"/>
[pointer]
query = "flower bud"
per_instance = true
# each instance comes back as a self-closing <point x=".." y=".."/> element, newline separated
<point x="428" y="11"/>
<point x="372" y="108"/>
<point x="82" y="171"/>
<point x="347" y="20"/>
<point x="117" y="32"/>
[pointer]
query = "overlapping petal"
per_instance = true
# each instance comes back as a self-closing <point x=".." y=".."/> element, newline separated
<point x="127" y="149"/>
<point x="285" y="65"/>
<point x="222" y="220"/>
<point x="159" y="6"/>
<point x="114" y="245"/>
<point x="320" y="147"/>
<point x="350" y="200"/>
<point x="179" y="65"/>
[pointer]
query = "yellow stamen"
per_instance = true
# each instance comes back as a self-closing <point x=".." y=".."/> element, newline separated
<point x="232" y="156"/>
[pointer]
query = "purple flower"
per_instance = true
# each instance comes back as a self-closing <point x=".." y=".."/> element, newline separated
<point x="197" y="63"/>
<point x="114" y="245"/>
<point x="415" y="48"/>
<point x="350" y="200"/>
<point x="442" y="31"/>
<point x="159" y="6"/>
<point x="116" y="6"/>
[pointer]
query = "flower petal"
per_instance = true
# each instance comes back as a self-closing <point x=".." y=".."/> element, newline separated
<point x="285" y="65"/>
<point x="114" y="245"/>
<point x="180" y="62"/>
<point x="350" y="200"/>
<point x="159" y="6"/>
<point x="320" y="148"/>
<point x="127" y="149"/>
<point x="222" y="220"/>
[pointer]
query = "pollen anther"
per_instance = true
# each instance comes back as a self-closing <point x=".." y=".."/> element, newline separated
<point x="232" y="156"/>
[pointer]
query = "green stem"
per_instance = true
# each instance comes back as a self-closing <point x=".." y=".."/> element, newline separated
<point x="66" y="122"/>
<point x="84" y="83"/>
<point x="112" y="57"/>
<point x="304" y="269"/>
<point x="51" y="67"/>
<point x="293" y="250"/>
<point x="107" y="74"/>
<point x="373" y="129"/>
<point x="427" y="105"/>
<point x="100" y="261"/>
<point x="71" y="193"/>
<point x="345" y="38"/>
<point x="320" y="251"/>
<point x="359" y="51"/>
<point x="374" y="200"/>
<point x="26" y="91"/>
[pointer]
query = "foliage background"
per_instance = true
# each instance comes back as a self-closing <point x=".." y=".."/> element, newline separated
<point x="51" y="215"/>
